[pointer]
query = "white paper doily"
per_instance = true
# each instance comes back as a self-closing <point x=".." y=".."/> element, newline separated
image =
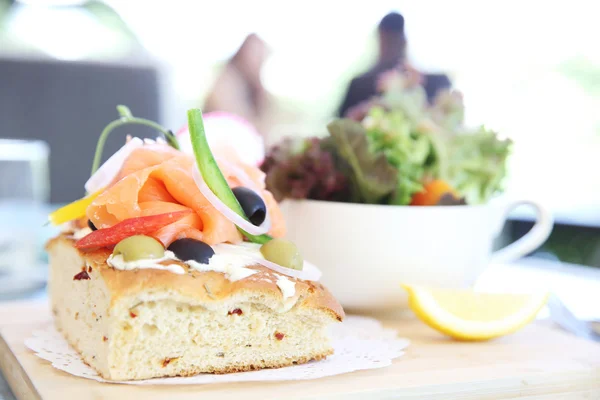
<point x="359" y="343"/>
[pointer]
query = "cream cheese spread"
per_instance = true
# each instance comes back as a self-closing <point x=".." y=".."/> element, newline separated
<point x="116" y="261"/>
<point x="231" y="260"/>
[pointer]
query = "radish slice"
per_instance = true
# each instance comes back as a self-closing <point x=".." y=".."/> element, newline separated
<point x="110" y="169"/>
<point x="227" y="133"/>
<point x="309" y="271"/>
<point x="227" y="212"/>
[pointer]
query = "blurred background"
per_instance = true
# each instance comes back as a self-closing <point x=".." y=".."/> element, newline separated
<point x="530" y="70"/>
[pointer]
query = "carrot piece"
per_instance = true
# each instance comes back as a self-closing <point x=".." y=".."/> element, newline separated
<point x="432" y="193"/>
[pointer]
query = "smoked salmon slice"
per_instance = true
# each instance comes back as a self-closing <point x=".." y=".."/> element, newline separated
<point x="156" y="179"/>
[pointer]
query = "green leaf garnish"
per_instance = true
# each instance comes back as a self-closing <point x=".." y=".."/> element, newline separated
<point x="124" y="111"/>
<point x="128" y="118"/>
<point x="172" y="140"/>
<point x="211" y="173"/>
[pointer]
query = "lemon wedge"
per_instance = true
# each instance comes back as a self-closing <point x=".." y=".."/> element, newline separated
<point x="470" y="315"/>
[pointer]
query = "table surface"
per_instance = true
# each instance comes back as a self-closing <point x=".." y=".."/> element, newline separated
<point x="433" y="368"/>
<point x="577" y="286"/>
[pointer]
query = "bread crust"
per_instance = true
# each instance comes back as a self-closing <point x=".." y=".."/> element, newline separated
<point x="205" y="287"/>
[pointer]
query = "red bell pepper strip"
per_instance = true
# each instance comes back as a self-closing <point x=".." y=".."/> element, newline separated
<point x="129" y="227"/>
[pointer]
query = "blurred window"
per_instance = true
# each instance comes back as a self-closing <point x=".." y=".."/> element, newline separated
<point x="530" y="70"/>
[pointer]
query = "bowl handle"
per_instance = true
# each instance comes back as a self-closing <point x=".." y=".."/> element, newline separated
<point x="532" y="239"/>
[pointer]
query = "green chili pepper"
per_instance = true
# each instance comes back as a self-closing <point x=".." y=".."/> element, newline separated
<point x="212" y="175"/>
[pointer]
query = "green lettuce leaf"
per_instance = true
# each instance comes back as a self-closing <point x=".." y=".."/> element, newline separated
<point x="373" y="176"/>
<point x="477" y="164"/>
<point x="409" y="152"/>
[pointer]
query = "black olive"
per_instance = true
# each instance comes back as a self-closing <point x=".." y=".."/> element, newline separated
<point x="92" y="226"/>
<point x="192" y="249"/>
<point x="254" y="207"/>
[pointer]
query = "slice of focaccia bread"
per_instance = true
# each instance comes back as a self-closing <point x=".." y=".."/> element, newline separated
<point x="150" y="323"/>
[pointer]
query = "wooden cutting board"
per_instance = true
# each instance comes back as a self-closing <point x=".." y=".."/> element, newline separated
<point x="539" y="362"/>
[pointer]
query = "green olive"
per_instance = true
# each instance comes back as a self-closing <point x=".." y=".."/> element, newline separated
<point x="283" y="252"/>
<point x="139" y="247"/>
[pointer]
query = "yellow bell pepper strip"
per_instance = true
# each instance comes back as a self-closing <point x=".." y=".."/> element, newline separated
<point x="73" y="210"/>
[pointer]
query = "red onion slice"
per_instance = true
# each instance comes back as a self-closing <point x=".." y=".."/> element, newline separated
<point x="226" y="211"/>
<point x="110" y="169"/>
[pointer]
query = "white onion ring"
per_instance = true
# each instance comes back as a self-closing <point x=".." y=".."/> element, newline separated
<point x="110" y="169"/>
<point x="309" y="271"/>
<point x="246" y="181"/>
<point x="226" y="211"/>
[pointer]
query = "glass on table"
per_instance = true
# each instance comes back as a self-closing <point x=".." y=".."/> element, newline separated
<point x="24" y="189"/>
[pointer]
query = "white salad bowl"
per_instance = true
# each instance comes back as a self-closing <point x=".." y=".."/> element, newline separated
<point x="366" y="251"/>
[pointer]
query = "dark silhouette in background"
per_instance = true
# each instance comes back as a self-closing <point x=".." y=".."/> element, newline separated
<point x="392" y="54"/>
<point x="239" y="89"/>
